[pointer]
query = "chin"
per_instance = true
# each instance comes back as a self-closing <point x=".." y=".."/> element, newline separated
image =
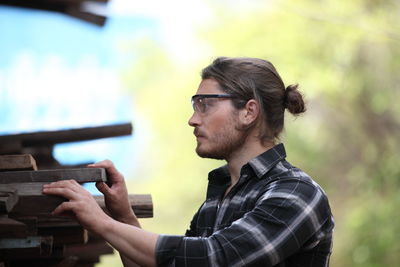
<point x="203" y="153"/>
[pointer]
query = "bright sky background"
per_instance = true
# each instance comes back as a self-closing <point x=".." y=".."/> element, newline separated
<point x="57" y="72"/>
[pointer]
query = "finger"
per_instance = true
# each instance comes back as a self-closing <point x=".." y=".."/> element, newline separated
<point x="102" y="164"/>
<point x="64" y="183"/>
<point x="64" y="209"/>
<point x="61" y="191"/>
<point x="110" y="168"/>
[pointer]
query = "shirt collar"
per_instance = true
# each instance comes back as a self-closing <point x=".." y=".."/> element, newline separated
<point x="260" y="165"/>
<point x="219" y="179"/>
<point x="265" y="161"/>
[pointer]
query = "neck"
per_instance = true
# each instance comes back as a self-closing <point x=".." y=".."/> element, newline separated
<point x="248" y="151"/>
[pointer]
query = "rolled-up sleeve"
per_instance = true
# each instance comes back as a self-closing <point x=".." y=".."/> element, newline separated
<point x="173" y="250"/>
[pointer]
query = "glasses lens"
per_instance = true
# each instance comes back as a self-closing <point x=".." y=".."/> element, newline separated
<point x="201" y="103"/>
<point x="198" y="104"/>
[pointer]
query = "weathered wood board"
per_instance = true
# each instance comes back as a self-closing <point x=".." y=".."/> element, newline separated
<point x="32" y="202"/>
<point x="65" y="136"/>
<point x="142" y="204"/>
<point x="17" y="162"/>
<point x="31" y="246"/>
<point x="10" y="228"/>
<point x="81" y="175"/>
<point x="8" y="199"/>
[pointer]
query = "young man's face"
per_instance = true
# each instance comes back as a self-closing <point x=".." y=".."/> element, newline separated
<point x="215" y="121"/>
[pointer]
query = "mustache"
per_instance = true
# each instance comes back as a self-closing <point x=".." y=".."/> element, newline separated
<point x="197" y="132"/>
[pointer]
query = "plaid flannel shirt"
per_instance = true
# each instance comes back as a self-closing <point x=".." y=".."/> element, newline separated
<point x="276" y="215"/>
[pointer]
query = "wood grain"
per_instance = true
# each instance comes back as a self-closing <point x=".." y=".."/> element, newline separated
<point x="81" y="175"/>
<point x="17" y="162"/>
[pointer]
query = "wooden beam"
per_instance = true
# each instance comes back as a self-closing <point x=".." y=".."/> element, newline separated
<point x="89" y="252"/>
<point x="32" y="246"/>
<point x="74" y="234"/>
<point x="11" y="147"/>
<point x="33" y="202"/>
<point x="8" y="199"/>
<point x="69" y="261"/>
<point x="141" y="204"/>
<point x="87" y="16"/>
<point x="81" y="175"/>
<point x="61" y="6"/>
<point x="17" y="162"/>
<point x="31" y="223"/>
<point x="10" y="228"/>
<point x="64" y="136"/>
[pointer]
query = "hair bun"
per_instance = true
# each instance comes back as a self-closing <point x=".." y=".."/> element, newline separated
<point x="293" y="100"/>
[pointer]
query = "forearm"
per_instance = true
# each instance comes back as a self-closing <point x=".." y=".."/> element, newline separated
<point x="132" y="220"/>
<point x="127" y="262"/>
<point x="133" y="243"/>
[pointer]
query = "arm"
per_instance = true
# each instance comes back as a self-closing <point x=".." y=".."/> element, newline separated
<point x="116" y="200"/>
<point x="136" y="244"/>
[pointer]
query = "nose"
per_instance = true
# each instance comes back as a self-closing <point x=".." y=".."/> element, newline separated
<point x="194" y="120"/>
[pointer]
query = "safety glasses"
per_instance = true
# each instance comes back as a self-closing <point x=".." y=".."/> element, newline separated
<point x="202" y="102"/>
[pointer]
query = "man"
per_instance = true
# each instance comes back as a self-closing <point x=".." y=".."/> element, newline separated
<point x="259" y="210"/>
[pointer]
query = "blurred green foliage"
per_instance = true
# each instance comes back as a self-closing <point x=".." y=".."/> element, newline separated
<point x="346" y="57"/>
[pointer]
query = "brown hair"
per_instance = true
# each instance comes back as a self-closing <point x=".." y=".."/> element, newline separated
<point x="253" y="78"/>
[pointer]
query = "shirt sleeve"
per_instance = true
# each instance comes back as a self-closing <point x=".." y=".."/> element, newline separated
<point x="284" y="219"/>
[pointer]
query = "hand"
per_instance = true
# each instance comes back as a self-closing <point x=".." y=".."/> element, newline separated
<point x="115" y="194"/>
<point x="81" y="205"/>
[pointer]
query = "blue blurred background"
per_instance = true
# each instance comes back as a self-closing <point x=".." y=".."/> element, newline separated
<point x="142" y="66"/>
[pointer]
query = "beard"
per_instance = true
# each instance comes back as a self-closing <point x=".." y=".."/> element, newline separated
<point x="222" y="144"/>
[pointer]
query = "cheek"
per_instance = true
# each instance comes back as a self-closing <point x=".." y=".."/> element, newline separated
<point x="224" y="126"/>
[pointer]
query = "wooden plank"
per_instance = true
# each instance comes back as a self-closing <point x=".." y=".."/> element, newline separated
<point x="69" y="261"/>
<point x="81" y="175"/>
<point x="62" y="234"/>
<point x="61" y="221"/>
<point x="86" y="264"/>
<point x="24" y="189"/>
<point x="59" y="6"/>
<point x="71" y="135"/>
<point x="10" y="228"/>
<point x="36" y="205"/>
<point x="31" y="246"/>
<point x="89" y="252"/>
<point x="51" y="261"/>
<point x="8" y="199"/>
<point x="31" y="223"/>
<point x="86" y="16"/>
<point x="17" y="162"/>
<point x="11" y="147"/>
<point x="141" y="204"/>
<point x="46" y="246"/>
<point x="33" y="202"/>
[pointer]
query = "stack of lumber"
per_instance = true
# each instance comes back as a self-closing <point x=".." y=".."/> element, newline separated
<point x="30" y="235"/>
<point x="41" y="144"/>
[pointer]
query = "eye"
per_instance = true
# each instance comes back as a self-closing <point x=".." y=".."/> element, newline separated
<point x="198" y="104"/>
<point x="202" y="104"/>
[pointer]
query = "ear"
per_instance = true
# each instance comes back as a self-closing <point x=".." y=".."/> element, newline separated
<point x="250" y="112"/>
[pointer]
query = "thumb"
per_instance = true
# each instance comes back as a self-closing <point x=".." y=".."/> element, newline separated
<point x="103" y="187"/>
